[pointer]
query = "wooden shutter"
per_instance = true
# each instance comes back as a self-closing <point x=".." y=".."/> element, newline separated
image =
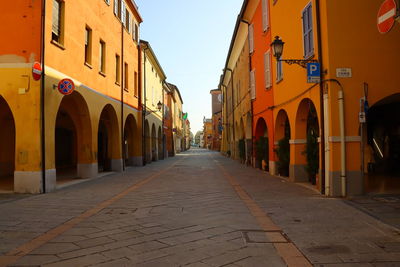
<point x="308" y="41"/>
<point x="136" y="33"/>
<point x="267" y="69"/>
<point x="123" y="13"/>
<point x="251" y="38"/>
<point x="265" y="19"/>
<point x="56" y="17"/>
<point x="116" y="7"/>
<point x="129" y="23"/>
<point x="253" y="84"/>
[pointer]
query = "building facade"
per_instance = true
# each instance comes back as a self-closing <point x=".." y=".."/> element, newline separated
<point x="216" y="109"/>
<point x="68" y="133"/>
<point x="153" y="79"/>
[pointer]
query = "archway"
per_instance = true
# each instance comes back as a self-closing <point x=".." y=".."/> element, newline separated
<point x="73" y="139"/>
<point x="108" y="141"/>
<point x="241" y="143"/>
<point x="249" y="139"/>
<point x="147" y="140"/>
<point x="282" y="148"/>
<point x="131" y="138"/>
<point x="262" y="145"/>
<point x="7" y="147"/>
<point x="382" y="146"/>
<point x="160" y="143"/>
<point x="306" y="148"/>
<point x="154" y="152"/>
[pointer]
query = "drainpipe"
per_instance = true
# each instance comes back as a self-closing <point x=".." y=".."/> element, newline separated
<point x="123" y="77"/>
<point x="42" y="98"/>
<point x="343" y="177"/>
<point x="233" y="115"/>
<point x="139" y="85"/>
<point x="144" y="109"/>
<point x="324" y="189"/>
<point x="342" y="142"/>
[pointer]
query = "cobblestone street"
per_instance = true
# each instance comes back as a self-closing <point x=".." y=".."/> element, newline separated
<point x="197" y="209"/>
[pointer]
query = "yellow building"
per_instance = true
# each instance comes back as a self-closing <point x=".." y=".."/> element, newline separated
<point x="358" y="63"/>
<point x="235" y="87"/>
<point x="153" y="79"/>
<point x="51" y="138"/>
<point x="178" y="122"/>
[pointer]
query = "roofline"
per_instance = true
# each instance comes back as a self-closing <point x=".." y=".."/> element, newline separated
<point x="235" y="32"/>
<point x="176" y="89"/>
<point x="147" y="44"/>
<point x="136" y="10"/>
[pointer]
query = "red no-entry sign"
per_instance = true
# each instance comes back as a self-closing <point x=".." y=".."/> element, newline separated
<point x="386" y="16"/>
<point x="37" y="71"/>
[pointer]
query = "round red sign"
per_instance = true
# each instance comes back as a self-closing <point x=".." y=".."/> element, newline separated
<point x="66" y="86"/>
<point x="37" y="71"/>
<point x="386" y="15"/>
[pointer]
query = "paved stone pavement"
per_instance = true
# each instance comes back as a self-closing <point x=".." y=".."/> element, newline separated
<point x="196" y="209"/>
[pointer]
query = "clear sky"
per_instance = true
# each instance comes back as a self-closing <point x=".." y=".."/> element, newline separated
<point x="191" y="39"/>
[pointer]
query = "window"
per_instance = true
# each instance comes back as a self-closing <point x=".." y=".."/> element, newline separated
<point x="267" y="69"/>
<point x="279" y="71"/>
<point x="135" y="92"/>
<point x="265" y="19"/>
<point x="126" y="77"/>
<point x="308" y="41"/>
<point x="251" y="38"/>
<point x="117" y="69"/>
<point x="102" y="60"/>
<point x="136" y="33"/>
<point x="123" y="13"/>
<point x="253" y="84"/>
<point x="128" y="21"/>
<point x="58" y="21"/>
<point x="117" y="4"/>
<point x="88" y="45"/>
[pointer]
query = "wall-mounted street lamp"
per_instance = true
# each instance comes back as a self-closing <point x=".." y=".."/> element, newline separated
<point x="277" y="51"/>
<point x="159" y="107"/>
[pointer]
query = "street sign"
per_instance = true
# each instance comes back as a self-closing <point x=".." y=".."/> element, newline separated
<point x="386" y="16"/>
<point x="343" y="73"/>
<point x="66" y="86"/>
<point x="37" y="71"/>
<point x="313" y="72"/>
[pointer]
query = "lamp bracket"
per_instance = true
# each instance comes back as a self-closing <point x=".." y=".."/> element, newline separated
<point x="300" y="62"/>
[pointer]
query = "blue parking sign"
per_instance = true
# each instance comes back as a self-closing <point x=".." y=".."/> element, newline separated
<point x="313" y="72"/>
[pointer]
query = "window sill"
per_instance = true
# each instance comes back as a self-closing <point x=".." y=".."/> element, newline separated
<point x="57" y="44"/>
<point x="117" y="83"/>
<point x="126" y="90"/>
<point x="102" y="74"/>
<point x="279" y="80"/>
<point x="88" y="65"/>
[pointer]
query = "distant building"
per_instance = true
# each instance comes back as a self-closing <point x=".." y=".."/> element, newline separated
<point x="216" y="103"/>
<point x="208" y="133"/>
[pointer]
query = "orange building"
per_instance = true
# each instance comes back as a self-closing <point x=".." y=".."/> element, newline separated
<point x="53" y="138"/>
<point x="261" y="77"/>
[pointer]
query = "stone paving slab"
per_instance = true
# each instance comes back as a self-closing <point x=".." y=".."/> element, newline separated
<point x="189" y="214"/>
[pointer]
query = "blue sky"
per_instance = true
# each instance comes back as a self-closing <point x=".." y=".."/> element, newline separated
<point x="191" y="39"/>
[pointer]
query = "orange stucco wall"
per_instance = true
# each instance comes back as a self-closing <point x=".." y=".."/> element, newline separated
<point x="21" y="44"/>
<point x="70" y="61"/>
<point x="264" y="97"/>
